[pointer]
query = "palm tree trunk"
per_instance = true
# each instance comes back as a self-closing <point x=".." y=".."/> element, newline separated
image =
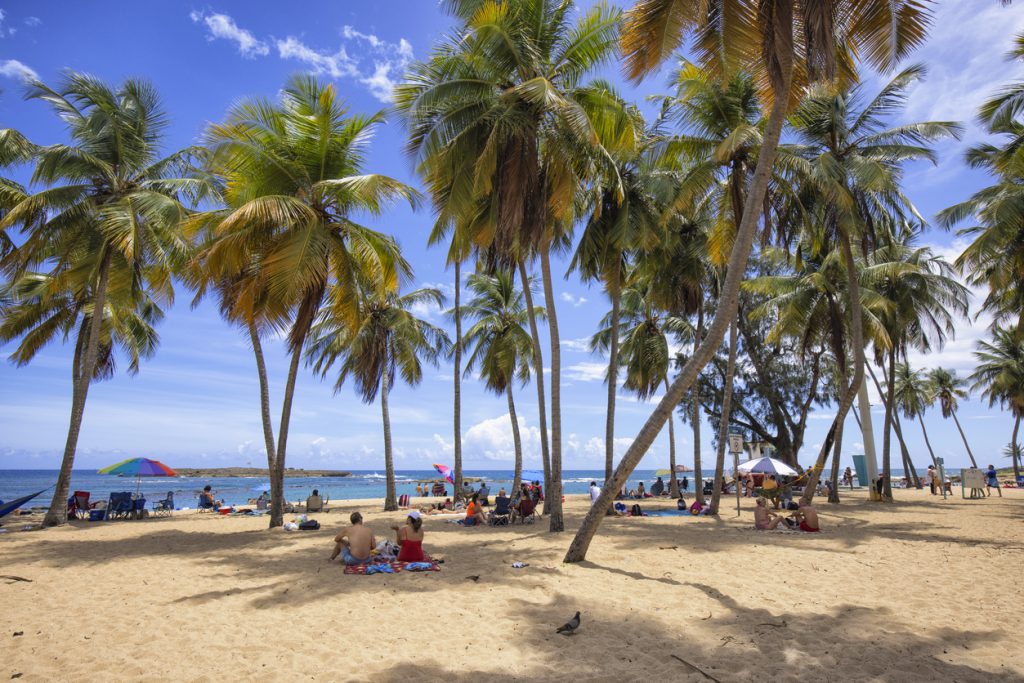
<point x="277" y="473"/>
<point x="457" y="465"/>
<point x="1014" y="453"/>
<point x="833" y="494"/>
<point x="261" y="371"/>
<point x="517" y="442"/>
<point x="920" y="419"/>
<point x="908" y="464"/>
<point x="58" y="512"/>
<point x="963" y="436"/>
<point x="538" y="363"/>
<point x="890" y="407"/>
<point x="553" y="492"/>
<point x="698" y="471"/>
<point x="615" y="292"/>
<point x="729" y="297"/>
<point x="673" y="481"/>
<point x="857" y="342"/>
<point x="723" y="425"/>
<point x="390" y="500"/>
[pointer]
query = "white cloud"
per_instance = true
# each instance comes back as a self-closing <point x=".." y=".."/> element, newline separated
<point x="574" y="300"/>
<point x="12" y="68"/>
<point x="374" y="62"/>
<point x="491" y="439"/>
<point x="586" y="372"/>
<point x="32" y="22"/>
<point x="582" y="344"/>
<point x="224" y="27"/>
<point x="966" y="64"/>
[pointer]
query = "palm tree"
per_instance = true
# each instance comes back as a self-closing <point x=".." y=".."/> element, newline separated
<point x="948" y="389"/>
<point x="501" y="347"/>
<point x="499" y="128"/>
<point x="623" y="225"/>
<point x="995" y="258"/>
<point x="108" y="217"/>
<point x="645" y="349"/>
<point x="913" y="397"/>
<point x="292" y="177"/>
<point x="762" y="41"/>
<point x="385" y="338"/>
<point x="853" y="164"/>
<point x="1000" y="378"/>
<point x="925" y="300"/>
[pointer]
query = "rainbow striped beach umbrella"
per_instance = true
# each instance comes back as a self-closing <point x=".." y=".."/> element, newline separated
<point x="139" y="468"/>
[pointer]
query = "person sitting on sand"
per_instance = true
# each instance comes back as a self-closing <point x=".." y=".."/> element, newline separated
<point x="640" y="493"/>
<point x="315" y="503"/>
<point x="206" y="500"/>
<point x="992" y="479"/>
<point x="354" y="543"/>
<point x="410" y="539"/>
<point x="765" y="519"/>
<point x="474" y="513"/>
<point x="658" y="487"/>
<point x="806" y="518"/>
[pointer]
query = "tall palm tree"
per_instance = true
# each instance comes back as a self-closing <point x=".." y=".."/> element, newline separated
<point x="645" y="349"/>
<point x="853" y="164"/>
<point x="995" y="257"/>
<point x="913" y="397"/>
<point x="766" y="40"/>
<point x="292" y="173"/>
<point x="1000" y="378"/>
<point x="384" y="339"/>
<point x="107" y="217"/>
<point x="499" y="128"/>
<point x="926" y="302"/>
<point x="624" y="224"/>
<point x="948" y="389"/>
<point x="501" y="346"/>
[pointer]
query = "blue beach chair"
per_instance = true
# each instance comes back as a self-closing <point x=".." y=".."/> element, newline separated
<point x="120" y="505"/>
<point x="165" y="507"/>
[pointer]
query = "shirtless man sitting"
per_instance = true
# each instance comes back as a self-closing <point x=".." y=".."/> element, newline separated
<point x="765" y="519"/>
<point x="354" y="543"/>
<point x="807" y="518"/>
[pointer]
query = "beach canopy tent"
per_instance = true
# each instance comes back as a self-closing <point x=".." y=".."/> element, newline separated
<point x="8" y="508"/>
<point x="768" y="466"/>
<point x="139" y="468"/>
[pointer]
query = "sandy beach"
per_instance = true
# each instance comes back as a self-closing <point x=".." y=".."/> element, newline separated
<point x="920" y="590"/>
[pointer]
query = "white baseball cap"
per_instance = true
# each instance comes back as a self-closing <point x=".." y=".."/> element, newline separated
<point x="415" y="514"/>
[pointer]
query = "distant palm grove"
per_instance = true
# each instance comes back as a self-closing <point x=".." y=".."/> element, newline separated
<point x="758" y="221"/>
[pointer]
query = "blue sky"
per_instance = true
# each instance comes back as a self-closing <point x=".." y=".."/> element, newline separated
<point x="196" y="403"/>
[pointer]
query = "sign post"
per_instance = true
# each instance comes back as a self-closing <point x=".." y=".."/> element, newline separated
<point x="736" y="446"/>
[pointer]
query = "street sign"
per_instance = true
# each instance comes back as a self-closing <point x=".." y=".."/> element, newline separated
<point x="735" y="443"/>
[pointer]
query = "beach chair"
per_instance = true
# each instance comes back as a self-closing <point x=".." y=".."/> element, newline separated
<point x="527" y="511"/>
<point x="120" y="505"/>
<point x="165" y="507"/>
<point x="79" y="506"/>
<point x="403" y="501"/>
<point x="438" y="490"/>
<point x="314" y="504"/>
<point x="501" y="515"/>
<point x="205" y="506"/>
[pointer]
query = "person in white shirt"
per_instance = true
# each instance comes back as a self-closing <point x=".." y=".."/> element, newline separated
<point x="595" y="491"/>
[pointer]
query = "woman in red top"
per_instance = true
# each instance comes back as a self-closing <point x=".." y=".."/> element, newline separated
<point x="410" y="539"/>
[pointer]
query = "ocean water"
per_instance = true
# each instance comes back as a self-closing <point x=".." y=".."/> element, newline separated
<point x="238" y="490"/>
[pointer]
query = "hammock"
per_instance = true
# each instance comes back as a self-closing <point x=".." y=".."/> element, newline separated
<point x="8" y="508"/>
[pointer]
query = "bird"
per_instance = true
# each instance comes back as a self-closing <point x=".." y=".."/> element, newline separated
<point x="569" y="628"/>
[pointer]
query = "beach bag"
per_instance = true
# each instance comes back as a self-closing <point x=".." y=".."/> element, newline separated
<point x="680" y="504"/>
<point x="635" y="511"/>
<point x="309" y="525"/>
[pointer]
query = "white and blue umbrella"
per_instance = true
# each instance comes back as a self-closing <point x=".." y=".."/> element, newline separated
<point x="768" y="466"/>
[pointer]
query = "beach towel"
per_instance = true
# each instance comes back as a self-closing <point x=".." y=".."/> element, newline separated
<point x="394" y="567"/>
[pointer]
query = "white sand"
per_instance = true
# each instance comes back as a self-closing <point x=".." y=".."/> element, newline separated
<point x="922" y="590"/>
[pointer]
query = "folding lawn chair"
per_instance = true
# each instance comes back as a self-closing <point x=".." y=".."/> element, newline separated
<point x="165" y="507"/>
<point x="120" y="505"/>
